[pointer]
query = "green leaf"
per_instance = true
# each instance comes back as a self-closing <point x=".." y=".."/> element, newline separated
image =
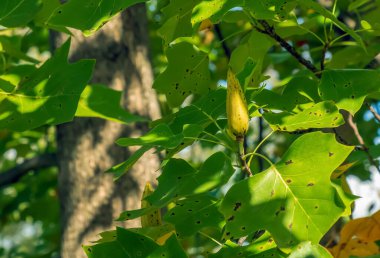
<point x="321" y="115"/>
<point x="348" y="88"/>
<point x="18" y="13"/>
<point x="160" y="135"/>
<point x="264" y="246"/>
<point x="254" y="46"/>
<point x="294" y="200"/>
<point x="124" y="243"/>
<point x="123" y="168"/>
<point x="270" y="9"/>
<point x="103" y="102"/>
<point x="213" y="10"/>
<point x="48" y="95"/>
<point x="184" y="76"/>
<point x="88" y="15"/>
<point x="177" y="20"/>
<point x="194" y="213"/>
<point x="299" y="94"/>
<point x="179" y="179"/>
<point x="311" y="4"/>
<point x="306" y="249"/>
<point x="12" y="47"/>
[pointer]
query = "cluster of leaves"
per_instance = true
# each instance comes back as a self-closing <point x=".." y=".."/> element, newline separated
<point x="287" y="206"/>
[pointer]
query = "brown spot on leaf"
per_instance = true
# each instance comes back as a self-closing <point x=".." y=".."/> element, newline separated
<point x="237" y="206"/>
<point x="289" y="162"/>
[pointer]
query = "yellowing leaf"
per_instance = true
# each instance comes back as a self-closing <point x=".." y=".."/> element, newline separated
<point x="358" y="237"/>
<point x="152" y="218"/>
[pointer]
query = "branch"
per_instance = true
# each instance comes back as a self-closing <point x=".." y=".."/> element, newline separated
<point x="374" y="113"/>
<point x="14" y="174"/>
<point x="354" y="127"/>
<point x="226" y="49"/>
<point x="269" y="30"/>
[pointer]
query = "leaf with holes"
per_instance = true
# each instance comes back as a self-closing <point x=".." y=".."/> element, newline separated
<point x="348" y="88"/>
<point x="124" y="243"/>
<point x="213" y="10"/>
<point x="263" y="246"/>
<point x="306" y="249"/>
<point x="47" y="95"/>
<point x="18" y="13"/>
<point x="179" y="179"/>
<point x="194" y="213"/>
<point x="294" y="200"/>
<point x="89" y="15"/>
<point x="270" y="9"/>
<point x="254" y="46"/>
<point x="103" y="102"/>
<point x="177" y="20"/>
<point x="184" y="76"/>
<point x="321" y="115"/>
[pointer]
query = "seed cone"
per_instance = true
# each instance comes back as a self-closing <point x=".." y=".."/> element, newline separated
<point x="237" y="110"/>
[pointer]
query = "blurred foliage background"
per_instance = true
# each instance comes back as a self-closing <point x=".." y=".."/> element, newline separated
<point x="29" y="208"/>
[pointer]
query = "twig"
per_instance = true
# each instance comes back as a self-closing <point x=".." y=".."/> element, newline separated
<point x="226" y="49"/>
<point x="269" y="30"/>
<point x="374" y="113"/>
<point x="323" y="57"/>
<point x="354" y="127"/>
<point x="14" y="174"/>
<point x="242" y="156"/>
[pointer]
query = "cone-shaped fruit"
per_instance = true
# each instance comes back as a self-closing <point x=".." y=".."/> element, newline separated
<point x="237" y="110"/>
<point x="152" y="218"/>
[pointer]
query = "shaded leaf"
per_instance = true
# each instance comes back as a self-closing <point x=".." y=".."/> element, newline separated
<point x="184" y="76"/>
<point x="348" y="88"/>
<point x="270" y="9"/>
<point x="48" y="95"/>
<point x="18" y="13"/>
<point x="126" y="243"/>
<point x="194" y="213"/>
<point x="294" y="200"/>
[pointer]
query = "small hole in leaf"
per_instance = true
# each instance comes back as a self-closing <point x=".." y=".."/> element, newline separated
<point x="231" y="218"/>
<point x="89" y="249"/>
<point x="198" y="222"/>
<point x="288" y="162"/>
<point x="331" y="154"/>
<point x="288" y="181"/>
<point x="237" y="206"/>
<point x="310" y="184"/>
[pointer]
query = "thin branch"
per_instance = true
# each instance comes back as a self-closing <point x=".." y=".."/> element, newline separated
<point x="323" y="57"/>
<point x="14" y="174"/>
<point x="374" y="113"/>
<point x="242" y="157"/>
<point x="358" y="136"/>
<point x="226" y="49"/>
<point x="269" y="30"/>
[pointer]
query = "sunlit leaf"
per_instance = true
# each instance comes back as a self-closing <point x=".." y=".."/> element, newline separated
<point x="88" y="15"/>
<point x="306" y="249"/>
<point x="103" y="102"/>
<point x="321" y="115"/>
<point x="48" y="95"/>
<point x="294" y="200"/>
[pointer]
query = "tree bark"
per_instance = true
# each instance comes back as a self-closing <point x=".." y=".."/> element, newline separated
<point x="90" y="199"/>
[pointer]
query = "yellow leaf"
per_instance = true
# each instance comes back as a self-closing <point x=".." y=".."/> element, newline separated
<point x="152" y="218"/>
<point x="358" y="236"/>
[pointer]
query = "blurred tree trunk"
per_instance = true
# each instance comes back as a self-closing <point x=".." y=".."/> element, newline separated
<point x="90" y="199"/>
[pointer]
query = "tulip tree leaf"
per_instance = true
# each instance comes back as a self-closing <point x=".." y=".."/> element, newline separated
<point x="18" y="13"/>
<point x="348" y="88"/>
<point x="194" y="213"/>
<point x="177" y="20"/>
<point x="124" y="243"/>
<point x="87" y="15"/>
<point x="294" y="200"/>
<point x="103" y="102"/>
<point x="306" y="249"/>
<point x="180" y="179"/>
<point x="321" y="115"/>
<point x="213" y="10"/>
<point x="184" y="76"/>
<point x="269" y="9"/>
<point x="47" y="95"/>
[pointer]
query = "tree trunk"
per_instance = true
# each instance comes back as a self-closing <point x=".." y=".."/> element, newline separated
<point x="90" y="199"/>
